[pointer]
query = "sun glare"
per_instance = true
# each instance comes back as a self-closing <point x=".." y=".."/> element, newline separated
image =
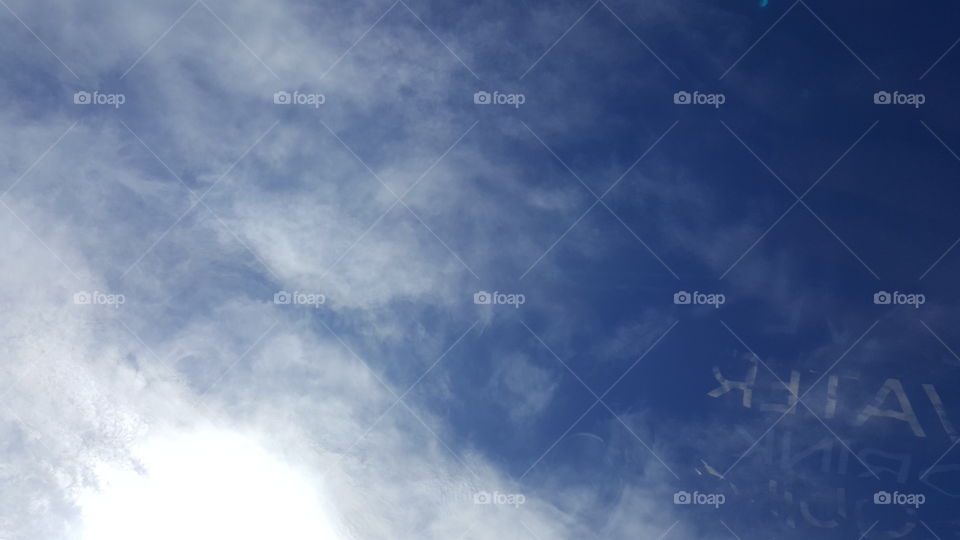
<point x="206" y="486"/>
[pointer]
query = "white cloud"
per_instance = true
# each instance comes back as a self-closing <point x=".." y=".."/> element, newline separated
<point x="215" y="416"/>
<point x="206" y="485"/>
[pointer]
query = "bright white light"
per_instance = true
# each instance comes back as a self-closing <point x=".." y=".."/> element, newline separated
<point x="206" y="486"/>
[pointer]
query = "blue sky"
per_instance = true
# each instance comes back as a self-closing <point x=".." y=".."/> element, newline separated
<point x="668" y="270"/>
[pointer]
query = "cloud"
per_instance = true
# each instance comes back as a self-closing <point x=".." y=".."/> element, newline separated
<point x="201" y="396"/>
<point x="529" y="388"/>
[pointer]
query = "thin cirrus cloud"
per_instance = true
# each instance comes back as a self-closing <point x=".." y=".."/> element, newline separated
<point x="129" y="420"/>
<point x="226" y="314"/>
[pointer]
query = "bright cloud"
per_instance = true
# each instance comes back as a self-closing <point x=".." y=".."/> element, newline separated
<point x="206" y="485"/>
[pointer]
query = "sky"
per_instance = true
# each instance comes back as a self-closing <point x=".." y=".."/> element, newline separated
<point x="589" y="269"/>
